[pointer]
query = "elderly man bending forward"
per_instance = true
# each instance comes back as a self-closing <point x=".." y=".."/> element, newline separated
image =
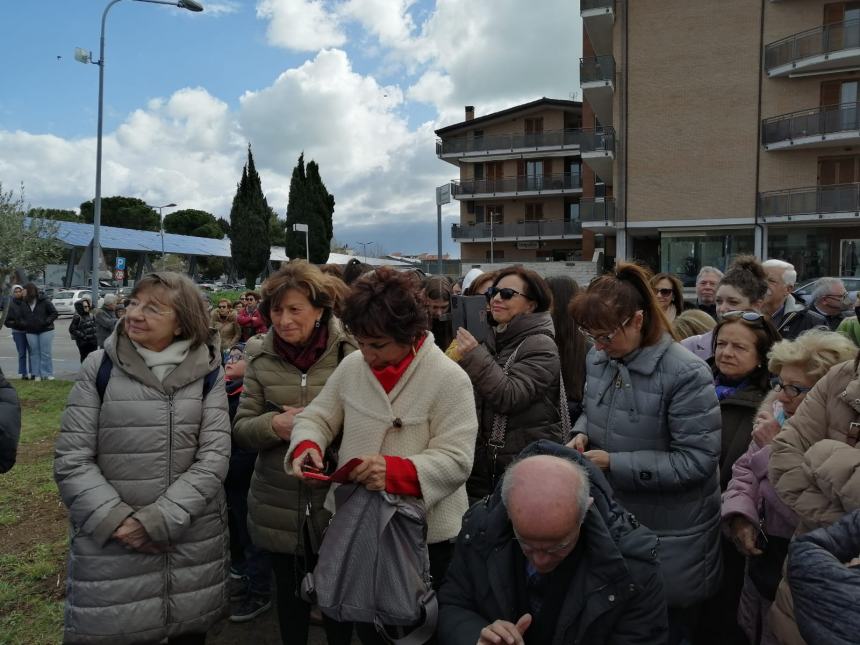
<point x="550" y="558"/>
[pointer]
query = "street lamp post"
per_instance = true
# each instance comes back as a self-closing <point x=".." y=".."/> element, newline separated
<point x="363" y="246"/>
<point x="80" y="55"/>
<point x="161" y="226"/>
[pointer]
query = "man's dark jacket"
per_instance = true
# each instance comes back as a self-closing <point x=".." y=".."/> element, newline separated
<point x="10" y="424"/>
<point x="623" y="601"/>
<point x="796" y="319"/>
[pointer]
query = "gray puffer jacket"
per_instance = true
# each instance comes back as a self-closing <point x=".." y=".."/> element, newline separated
<point x="157" y="452"/>
<point x="528" y="394"/>
<point x="656" y="413"/>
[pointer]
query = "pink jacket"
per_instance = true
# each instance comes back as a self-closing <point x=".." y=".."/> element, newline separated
<point x="751" y="494"/>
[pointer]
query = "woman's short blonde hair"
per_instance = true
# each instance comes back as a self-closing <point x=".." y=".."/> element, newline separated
<point x="815" y="351"/>
<point x="185" y="299"/>
<point x="692" y="322"/>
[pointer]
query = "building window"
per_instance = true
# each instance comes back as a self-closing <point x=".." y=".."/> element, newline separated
<point x="572" y="214"/>
<point x="498" y="254"/>
<point x="496" y="214"/>
<point x="534" y="212"/>
<point x="684" y="253"/>
<point x="479" y="171"/>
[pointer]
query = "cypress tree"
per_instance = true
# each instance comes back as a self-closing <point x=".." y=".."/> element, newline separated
<point x="309" y="203"/>
<point x="249" y="225"/>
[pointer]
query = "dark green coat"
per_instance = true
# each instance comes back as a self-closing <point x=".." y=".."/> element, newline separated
<point x="738" y="411"/>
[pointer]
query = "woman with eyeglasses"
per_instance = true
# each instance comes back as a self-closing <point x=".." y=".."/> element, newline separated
<point x="742" y="288"/>
<point x="670" y="295"/>
<point x="651" y="422"/>
<point x="140" y="463"/>
<point x="758" y="523"/>
<point x="83" y="329"/>
<point x="516" y="375"/>
<point x="286" y="370"/>
<point x="224" y="320"/>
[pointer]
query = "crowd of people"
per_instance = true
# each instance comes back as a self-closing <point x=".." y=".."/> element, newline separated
<point x="600" y="464"/>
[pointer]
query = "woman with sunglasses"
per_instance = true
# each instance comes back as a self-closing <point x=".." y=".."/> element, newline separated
<point x="651" y="422"/>
<point x="224" y="320"/>
<point x="742" y="288"/>
<point x="742" y="340"/>
<point x="515" y="373"/>
<point x="758" y="523"/>
<point x="670" y="295"/>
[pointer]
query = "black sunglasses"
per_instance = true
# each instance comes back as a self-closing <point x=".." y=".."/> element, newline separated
<point x="505" y="293"/>
<point x="664" y="292"/>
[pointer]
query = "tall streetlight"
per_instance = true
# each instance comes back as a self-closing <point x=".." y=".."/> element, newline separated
<point x="363" y="246"/>
<point x="85" y="57"/>
<point x="161" y="225"/>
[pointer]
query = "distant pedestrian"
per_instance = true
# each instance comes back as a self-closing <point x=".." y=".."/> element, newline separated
<point x="830" y="299"/>
<point x="788" y="316"/>
<point x="10" y="424"/>
<point x="224" y="320"/>
<point x="83" y="329"/>
<point x="706" y="290"/>
<point x="106" y="317"/>
<point x="38" y="318"/>
<point x="15" y="322"/>
<point x="250" y="319"/>
<point x="670" y="295"/>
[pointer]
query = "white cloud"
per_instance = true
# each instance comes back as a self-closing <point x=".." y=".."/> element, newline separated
<point x="222" y="8"/>
<point x="300" y="25"/>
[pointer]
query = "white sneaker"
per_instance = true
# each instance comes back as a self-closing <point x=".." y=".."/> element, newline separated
<point x="50" y="378"/>
<point x="37" y="378"/>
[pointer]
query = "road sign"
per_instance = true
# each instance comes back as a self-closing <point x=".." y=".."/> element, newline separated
<point x="120" y="264"/>
<point x="443" y="195"/>
<point x="300" y="228"/>
<point x="119" y="275"/>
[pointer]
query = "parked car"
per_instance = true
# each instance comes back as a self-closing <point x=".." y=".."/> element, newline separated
<point x="64" y="301"/>
<point x="852" y="285"/>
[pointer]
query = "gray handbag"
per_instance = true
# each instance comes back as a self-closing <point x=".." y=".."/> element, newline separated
<point x="374" y="565"/>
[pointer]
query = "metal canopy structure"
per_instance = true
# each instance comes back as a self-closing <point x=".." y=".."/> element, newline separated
<point x="127" y="239"/>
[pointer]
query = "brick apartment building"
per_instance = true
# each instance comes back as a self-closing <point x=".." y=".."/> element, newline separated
<point x="736" y="130"/>
<point x="520" y="183"/>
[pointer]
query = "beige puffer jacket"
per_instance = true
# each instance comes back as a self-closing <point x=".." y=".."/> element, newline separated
<point x="814" y="468"/>
<point x="276" y="501"/>
<point x="228" y="329"/>
<point x="157" y="452"/>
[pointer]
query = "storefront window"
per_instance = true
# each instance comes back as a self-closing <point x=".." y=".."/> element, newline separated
<point x="685" y="253"/>
<point x="807" y="249"/>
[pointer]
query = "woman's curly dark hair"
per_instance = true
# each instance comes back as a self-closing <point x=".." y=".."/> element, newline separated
<point x="384" y="303"/>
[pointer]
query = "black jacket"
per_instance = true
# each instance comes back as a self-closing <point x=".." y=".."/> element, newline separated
<point x="33" y="321"/>
<point x="826" y="592"/>
<point x="615" y="593"/>
<point x="83" y="326"/>
<point x="10" y="424"/>
<point x="796" y="319"/>
<point x="14" y="315"/>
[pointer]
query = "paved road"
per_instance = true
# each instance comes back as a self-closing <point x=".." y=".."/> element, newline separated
<point x="66" y="357"/>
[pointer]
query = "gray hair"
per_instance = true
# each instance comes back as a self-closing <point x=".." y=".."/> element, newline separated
<point x="582" y="493"/>
<point x="705" y="270"/>
<point x="110" y="299"/>
<point x="789" y="275"/>
<point x="823" y="287"/>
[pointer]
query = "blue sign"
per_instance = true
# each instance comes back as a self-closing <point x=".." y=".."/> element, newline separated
<point x="120" y="264"/>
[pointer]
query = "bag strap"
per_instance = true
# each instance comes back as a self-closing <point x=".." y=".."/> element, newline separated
<point x="563" y="410"/>
<point x="424" y="632"/>
<point x="106" y="366"/>
<point x="500" y="421"/>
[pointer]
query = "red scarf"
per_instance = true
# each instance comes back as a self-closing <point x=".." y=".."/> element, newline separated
<point x="303" y="358"/>
<point x="389" y="375"/>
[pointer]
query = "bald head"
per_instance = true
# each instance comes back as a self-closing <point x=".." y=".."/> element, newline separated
<point x="546" y="488"/>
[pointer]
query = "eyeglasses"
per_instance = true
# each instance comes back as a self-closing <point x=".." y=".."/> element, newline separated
<point x="833" y="297"/>
<point x="505" y="293"/>
<point x="528" y="549"/>
<point x="223" y="306"/>
<point x="749" y="316"/>
<point x="793" y="391"/>
<point x="663" y="292"/>
<point x="604" y="339"/>
<point x="234" y="357"/>
<point x="147" y="311"/>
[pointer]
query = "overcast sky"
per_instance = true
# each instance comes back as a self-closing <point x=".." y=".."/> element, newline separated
<point x="358" y="85"/>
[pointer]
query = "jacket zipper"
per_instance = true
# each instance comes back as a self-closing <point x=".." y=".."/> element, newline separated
<point x="170" y="419"/>
<point x="304" y="398"/>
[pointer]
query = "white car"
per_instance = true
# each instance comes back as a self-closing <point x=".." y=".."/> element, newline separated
<point x="64" y="301"/>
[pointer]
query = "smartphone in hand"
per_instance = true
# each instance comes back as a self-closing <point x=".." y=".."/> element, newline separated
<point x="271" y="406"/>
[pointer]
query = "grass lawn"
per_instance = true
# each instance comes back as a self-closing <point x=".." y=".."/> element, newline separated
<point x="33" y="524"/>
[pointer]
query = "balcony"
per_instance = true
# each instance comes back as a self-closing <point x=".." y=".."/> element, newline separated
<point x="822" y="127"/>
<point x="519" y="186"/>
<point x="533" y="230"/>
<point x="838" y="202"/>
<point x="598" y="215"/>
<point x="499" y="147"/>
<point x="597" y="78"/>
<point x="598" y="151"/>
<point x="820" y="50"/>
<point x="598" y="17"/>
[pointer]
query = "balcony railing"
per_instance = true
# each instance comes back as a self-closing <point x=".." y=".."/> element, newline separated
<point x="597" y="69"/>
<point x="817" y="41"/>
<point x="518" y="184"/>
<point x="600" y="140"/>
<point x="592" y="211"/>
<point x="510" y="142"/>
<point x="813" y="200"/>
<point x="586" y="5"/>
<point x="536" y="228"/>
<point x="810" y="123"/>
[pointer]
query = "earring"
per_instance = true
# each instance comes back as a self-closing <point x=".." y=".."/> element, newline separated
<point x="317" y="324"/>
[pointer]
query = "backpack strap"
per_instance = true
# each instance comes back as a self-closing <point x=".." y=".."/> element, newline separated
<point x="209" y="381"/>
<point x="103" y="375"/>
